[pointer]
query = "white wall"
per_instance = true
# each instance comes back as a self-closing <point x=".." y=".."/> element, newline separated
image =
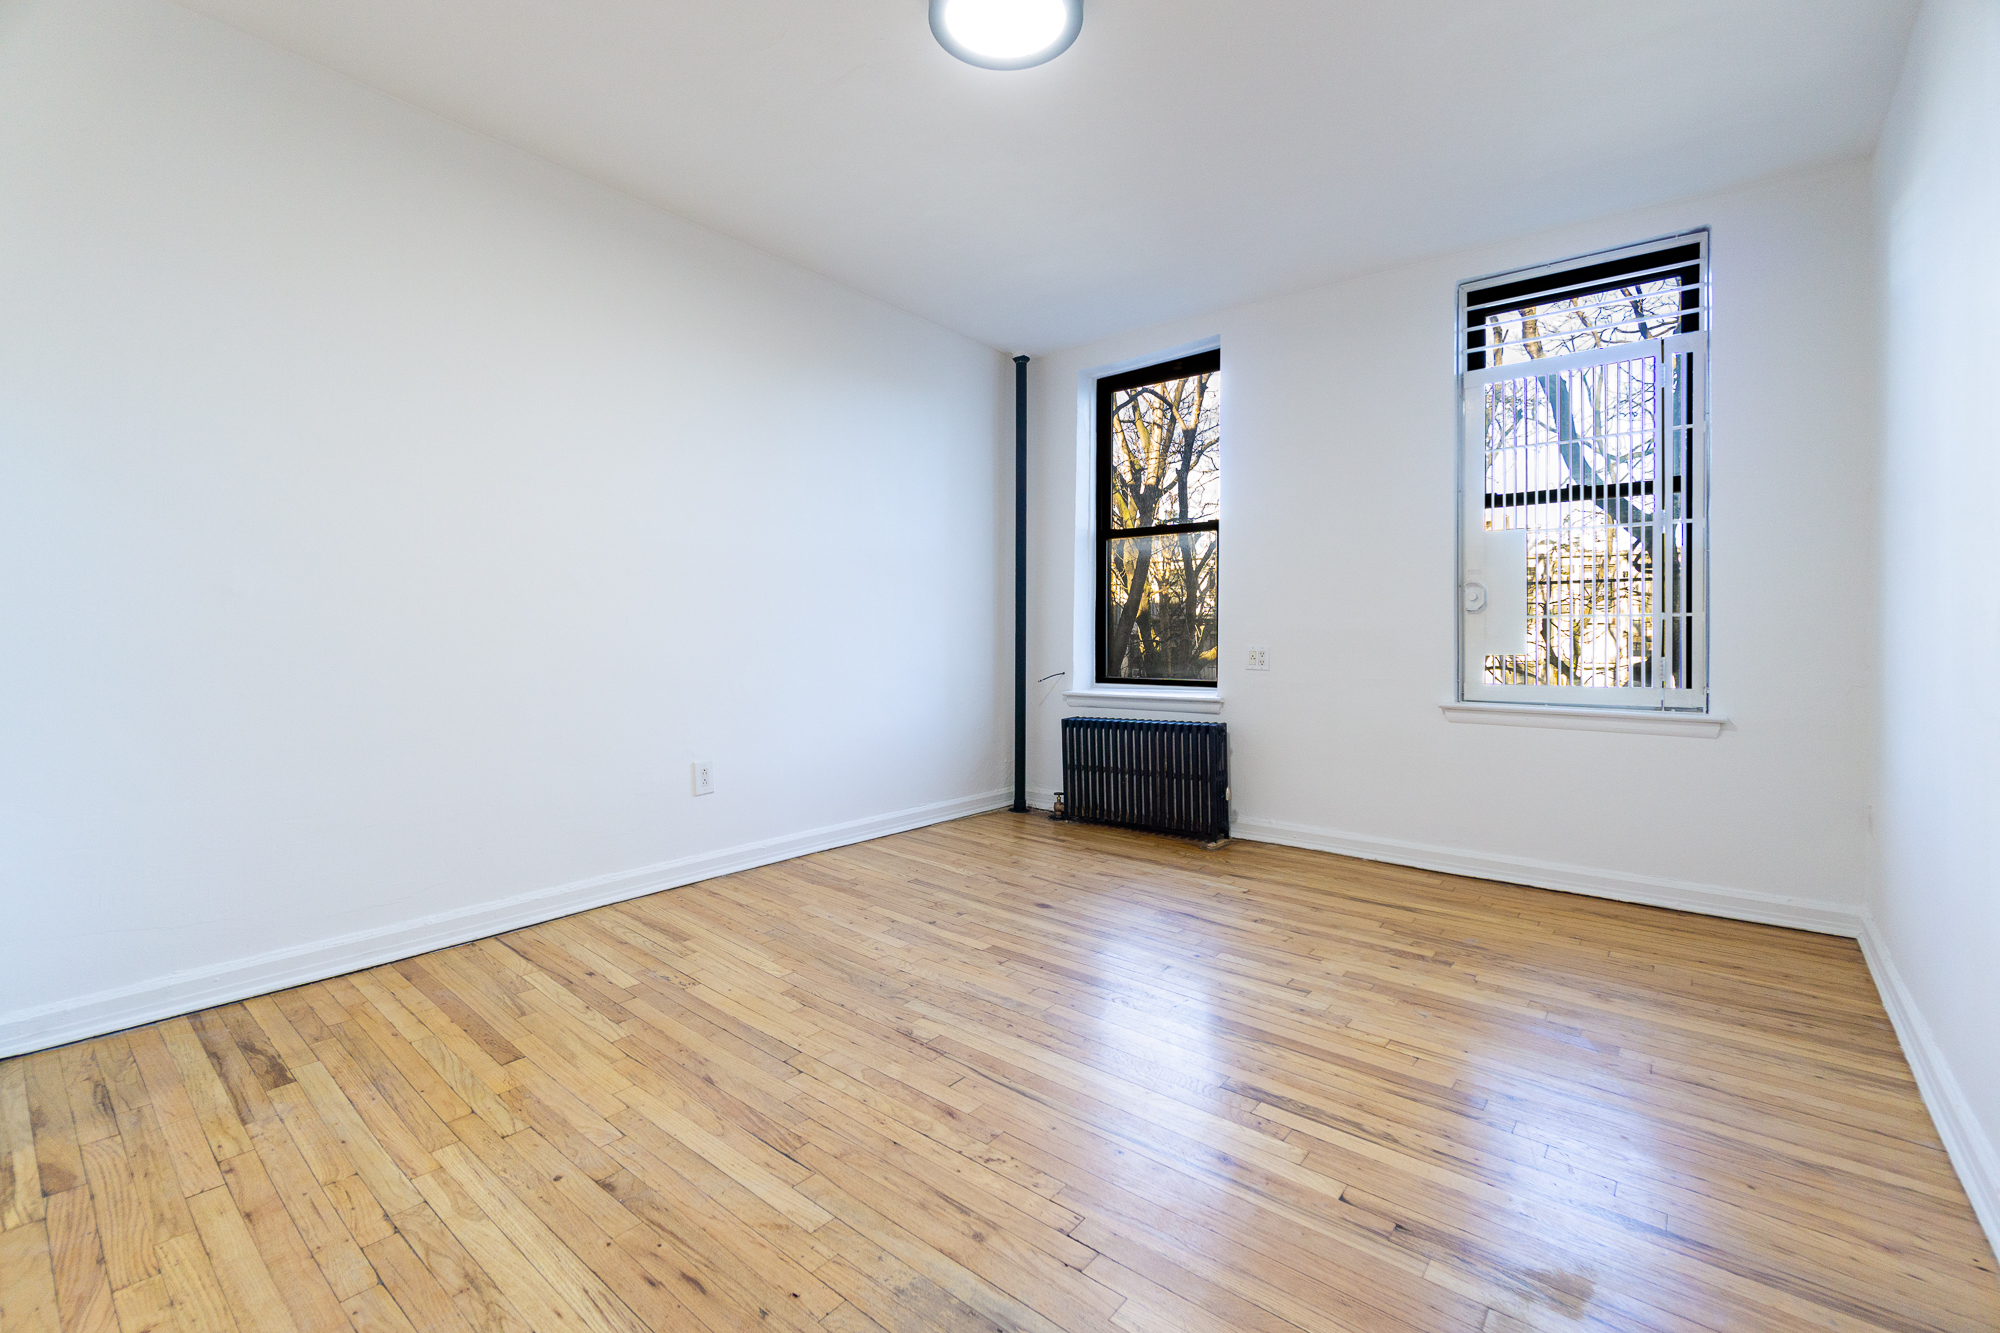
<point x="1934" y="933"/>
<point x="387" y="519"/>
<point x="1338" y="555"/>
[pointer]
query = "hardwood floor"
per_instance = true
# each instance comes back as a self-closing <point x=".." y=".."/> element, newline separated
<point x="1008" y="1074"/>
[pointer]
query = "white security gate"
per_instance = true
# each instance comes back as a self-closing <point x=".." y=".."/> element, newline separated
<point x="1583" y="540"/>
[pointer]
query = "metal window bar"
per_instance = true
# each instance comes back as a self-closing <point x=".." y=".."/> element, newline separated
<point x="1567" y="278"/>
<point x="1584" y="287"/>
<point x="1610" y="293"/>
<point x="1639" y="328"/>
<point x="1633" y="312"/>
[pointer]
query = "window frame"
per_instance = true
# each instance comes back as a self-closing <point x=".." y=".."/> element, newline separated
<point x="1686" y="255"/>
<point x="1104" y="534"/>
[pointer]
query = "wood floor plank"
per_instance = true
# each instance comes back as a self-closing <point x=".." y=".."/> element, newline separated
<point x="1152" y="1308"/>
<point x="386" y="1108"/>
<point x="377" y="1311"/>
<point x="163" y="1077"/>
<point x="146" y="1307"/>
<point x="415" y="1288"/>
<point x="574" y="1127"/>
<point x="306" y="1130"/>
<point x="319" y="1224"/>
<point x="891" y="1295"/>
<point x="20" y="1169"/>
<point x="83" y="1289"/>
<point x="566" y="1272"/>
<point x="27" y="1281"/>
<point x="195" y="1299"/>
<point x="755" y="1176"/>
<point x="981" y="1279"/>
<point x="155" y="1182"/>
<point x="124" y="1223"/>
<point x="782" y="1255"/>
<point x="90" y="1107"/>
<point x="58" y="1156"/>
<point x="455" y="1018"/>
<point x="248" y="1282"/>
<point x="542" y="1300"/>
<point x="370" y="1157"/>
<point x="567" y="1201"/>
<point x="292" y="1048"/>
<point x="361" y="1210"/>
<point x="123" y="1084"/>
<point x="471" y="1289"/>
<point x="300" y="1282"/>
<point x="260" y="1055"/>
<point x="1008" y="1074"/>
<point x="444" y="1105"/>
<point x="210" y="1098"/>
<point x="470" y="1073"/>
<point x="187" y="1148"/>
<point x="317" y="1134"/>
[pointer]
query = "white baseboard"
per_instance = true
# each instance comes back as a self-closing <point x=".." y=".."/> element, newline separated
<point x="1973" y="1154"/>
<point x="1769" y="909"/>
<point x="148" y="1001"/>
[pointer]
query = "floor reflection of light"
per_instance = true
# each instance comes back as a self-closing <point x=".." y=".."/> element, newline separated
<point x="1152" y="1012"/>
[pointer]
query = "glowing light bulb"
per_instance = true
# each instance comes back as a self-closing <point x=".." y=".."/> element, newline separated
<point x="1006" y="34"/>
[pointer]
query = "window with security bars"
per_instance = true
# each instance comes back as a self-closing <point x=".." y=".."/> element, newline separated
<point x="1584" y="477"/>
<point x="1159" y="506"/>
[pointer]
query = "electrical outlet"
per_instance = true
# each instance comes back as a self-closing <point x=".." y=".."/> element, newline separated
<point x="704" y="778"/>
<point x="1260" y="659"/>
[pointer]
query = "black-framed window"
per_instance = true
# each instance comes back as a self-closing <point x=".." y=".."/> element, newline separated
<point x="1159" y="505"/>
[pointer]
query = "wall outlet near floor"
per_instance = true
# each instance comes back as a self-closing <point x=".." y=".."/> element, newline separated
<point x="1260" y="659"/>
<point x="704" y="778"/>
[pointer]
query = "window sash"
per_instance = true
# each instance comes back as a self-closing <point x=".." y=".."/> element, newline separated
<point x="1666" y="596"/>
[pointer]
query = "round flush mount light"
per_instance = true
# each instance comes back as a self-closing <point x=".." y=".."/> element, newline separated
<point x="1006" y="34"/>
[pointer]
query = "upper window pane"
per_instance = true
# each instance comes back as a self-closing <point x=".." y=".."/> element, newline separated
<point x="1164" y="464"/>
<point x="1581" y="308"/>
<point x="1635" y="313"/>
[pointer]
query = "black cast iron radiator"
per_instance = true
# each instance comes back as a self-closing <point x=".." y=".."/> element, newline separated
<point x="1168" y="777"/>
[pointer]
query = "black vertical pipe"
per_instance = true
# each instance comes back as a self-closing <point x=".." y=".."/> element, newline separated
<point x="1020" y="585"/>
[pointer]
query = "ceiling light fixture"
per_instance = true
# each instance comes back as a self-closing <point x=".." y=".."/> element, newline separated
<point x="1006" y="34"/>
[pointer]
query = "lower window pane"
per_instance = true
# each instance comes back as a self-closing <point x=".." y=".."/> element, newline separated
<point x="1159" y="607"/>
<point x="1590" y="602"/>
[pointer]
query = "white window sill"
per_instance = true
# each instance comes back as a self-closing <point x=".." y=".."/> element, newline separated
<point x="1630" y="720"/>
<point x="1192" y="700"/>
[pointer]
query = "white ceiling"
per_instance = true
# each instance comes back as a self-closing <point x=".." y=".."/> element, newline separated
<point x="1184" y="155"/>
